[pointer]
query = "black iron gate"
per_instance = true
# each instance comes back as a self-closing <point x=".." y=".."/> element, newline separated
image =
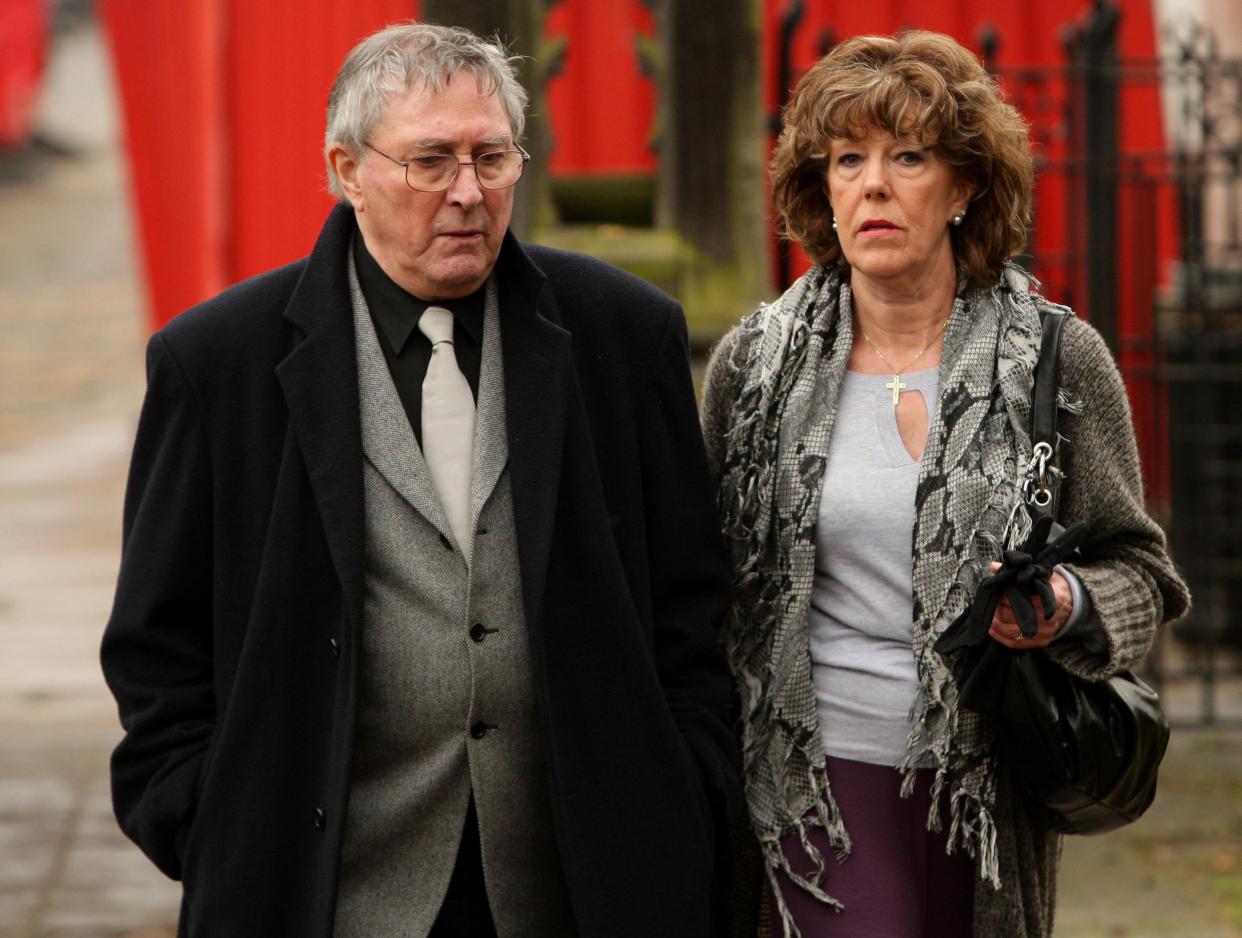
<point x="1176" y="332"/>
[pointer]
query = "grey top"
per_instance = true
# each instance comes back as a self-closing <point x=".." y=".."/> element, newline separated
<point x="862" y="604"/>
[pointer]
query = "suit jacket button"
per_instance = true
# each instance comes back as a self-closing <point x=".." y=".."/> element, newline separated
<point x="479" y="730"/>
<point x="478" y="632"/>
<point x="336" y="647"/>
<point x="321" y="819"/>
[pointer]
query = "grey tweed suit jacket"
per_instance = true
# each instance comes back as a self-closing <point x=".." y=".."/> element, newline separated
<point x="428" y="684"/>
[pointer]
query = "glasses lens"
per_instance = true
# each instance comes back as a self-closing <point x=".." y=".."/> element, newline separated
<point x="431" y="172"/>
<point x="499" y="169"/>
<point x="435" y="171"/>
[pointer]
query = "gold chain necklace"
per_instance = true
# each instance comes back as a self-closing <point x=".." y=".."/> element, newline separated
<point x="897" y="385"/>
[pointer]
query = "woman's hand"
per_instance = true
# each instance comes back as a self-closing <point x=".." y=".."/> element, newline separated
<point x="1005" y="624"/>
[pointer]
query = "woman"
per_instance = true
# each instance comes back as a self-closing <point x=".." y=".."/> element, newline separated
<point x="868" y="433"/>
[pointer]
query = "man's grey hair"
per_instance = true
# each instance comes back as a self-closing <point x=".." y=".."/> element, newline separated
<point x="398" y="58"/>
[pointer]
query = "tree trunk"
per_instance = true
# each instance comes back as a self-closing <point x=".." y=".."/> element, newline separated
<point x="519" y="25"/>
<point x="711" y="123"/>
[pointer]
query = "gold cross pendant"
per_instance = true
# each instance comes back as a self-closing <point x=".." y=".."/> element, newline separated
<point x="896" y="386"/>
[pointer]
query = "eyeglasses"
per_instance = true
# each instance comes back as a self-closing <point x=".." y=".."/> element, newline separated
<point x="435" y="172"/>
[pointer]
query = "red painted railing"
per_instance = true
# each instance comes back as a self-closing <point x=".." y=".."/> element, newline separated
<point x="23" y="52"/>
<point x="224" y="105"/>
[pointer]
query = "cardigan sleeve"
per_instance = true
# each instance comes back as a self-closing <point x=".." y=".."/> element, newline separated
<point x="1125" y="567"/>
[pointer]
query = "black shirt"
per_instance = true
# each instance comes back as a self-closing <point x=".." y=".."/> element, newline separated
<point x="395" y="314"/>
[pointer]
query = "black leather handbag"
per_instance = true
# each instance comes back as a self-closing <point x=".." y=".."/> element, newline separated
<point x="1086" y="753"/>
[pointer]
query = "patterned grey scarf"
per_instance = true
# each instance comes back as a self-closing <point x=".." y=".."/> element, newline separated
<point x="966" y="504"/>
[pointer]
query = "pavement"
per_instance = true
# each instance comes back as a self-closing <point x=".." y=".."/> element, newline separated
<point x="71" y="378"/>
<point x="72" y="327"/>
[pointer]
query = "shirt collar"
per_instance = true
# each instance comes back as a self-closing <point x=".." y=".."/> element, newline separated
<point x="396" y="311"/>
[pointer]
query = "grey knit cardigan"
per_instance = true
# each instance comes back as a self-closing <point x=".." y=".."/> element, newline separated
<point x="1132" y="583"/>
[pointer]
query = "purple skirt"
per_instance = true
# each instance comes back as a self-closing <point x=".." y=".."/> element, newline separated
<point x="897" y="881"/>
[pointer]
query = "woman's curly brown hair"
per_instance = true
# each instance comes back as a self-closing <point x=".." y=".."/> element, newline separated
<point x="919" y="86"/>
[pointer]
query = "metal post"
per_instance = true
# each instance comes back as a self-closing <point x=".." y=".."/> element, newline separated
<point x="1100" y="79"/>
<point x="1074" y="294"/>
<point x="784" y="82"/>
<point x="988" y="38"/>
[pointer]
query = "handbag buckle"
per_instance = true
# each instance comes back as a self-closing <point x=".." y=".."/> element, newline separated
<point x="1036" y="490"/>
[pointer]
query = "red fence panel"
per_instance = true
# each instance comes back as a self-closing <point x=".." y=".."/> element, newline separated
<point x="23" y="53"/>
<point x="169" y="60"/>
<point x="224" y="106"/>
<point x="601" y="105"/>
<point x="282" y="58"/>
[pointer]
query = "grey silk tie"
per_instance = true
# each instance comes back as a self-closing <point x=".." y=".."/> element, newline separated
<point x="448" y="424"/>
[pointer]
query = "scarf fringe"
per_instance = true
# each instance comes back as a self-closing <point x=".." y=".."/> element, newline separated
<point x="788" y="927"/>
<point x="971" y="825"/>
<point x="933" y="812"/>
<point x="1065" y="403"/>
<point x="974" y="829"/>
<point x="825" y="817"/>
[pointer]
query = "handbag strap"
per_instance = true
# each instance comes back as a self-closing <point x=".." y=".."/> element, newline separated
<point x="1043" y="486"/>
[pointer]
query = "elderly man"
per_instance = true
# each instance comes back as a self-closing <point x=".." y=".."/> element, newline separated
<point x="415" y="624"/>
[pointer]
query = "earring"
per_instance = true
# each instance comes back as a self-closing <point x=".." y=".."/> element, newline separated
<point x="959" y="218"/>
<point x="834" y="224"/>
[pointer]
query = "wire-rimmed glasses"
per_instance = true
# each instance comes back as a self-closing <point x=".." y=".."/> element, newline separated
<point x="435" y="172"/>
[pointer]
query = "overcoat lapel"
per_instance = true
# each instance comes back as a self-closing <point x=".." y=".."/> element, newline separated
<point x="537" y="379"/>
<point x="320" y="381"/>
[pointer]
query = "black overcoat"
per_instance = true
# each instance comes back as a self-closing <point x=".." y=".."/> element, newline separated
<point x="232" y="644"/>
